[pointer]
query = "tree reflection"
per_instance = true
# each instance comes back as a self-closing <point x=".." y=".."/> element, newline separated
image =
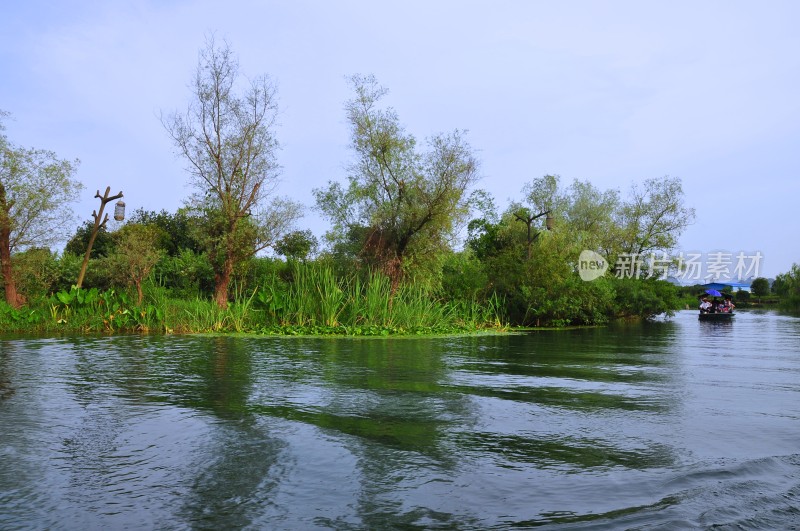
<point x="392" y="401"/>
<point x="6" y="387"/>
<point x="398" y="423"/>
<point x="233" y="464"/>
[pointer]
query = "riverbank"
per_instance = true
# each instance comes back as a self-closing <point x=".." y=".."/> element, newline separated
<point x="369" y="313"/>
<point x="316" y="303"/>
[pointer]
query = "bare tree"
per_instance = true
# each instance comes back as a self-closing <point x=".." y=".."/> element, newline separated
<point x="228" y="140"/>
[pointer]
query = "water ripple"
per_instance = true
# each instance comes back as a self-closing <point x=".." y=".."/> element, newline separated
<point x="665" y="425"/>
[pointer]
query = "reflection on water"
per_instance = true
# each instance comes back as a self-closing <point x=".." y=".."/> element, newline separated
<point x="680" y="423"/>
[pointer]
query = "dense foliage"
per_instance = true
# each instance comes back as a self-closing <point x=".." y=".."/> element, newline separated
<point x="154" y="276"/>
<point x="36" y="188"/>
<point x="760" y="286"/>
<point x="401" y="203"/>
<point x="392" y="264"/>
<point x="155" y="272"/>
<point x="787" y="285"/>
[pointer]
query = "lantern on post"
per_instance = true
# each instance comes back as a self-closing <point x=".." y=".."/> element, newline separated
<point x="119" y="211"/>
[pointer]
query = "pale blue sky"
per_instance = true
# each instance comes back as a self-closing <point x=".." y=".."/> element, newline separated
<point x="611" y="92"/>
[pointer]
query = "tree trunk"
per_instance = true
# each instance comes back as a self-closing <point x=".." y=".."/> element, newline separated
<point x="139" y="293"/>
<point x="394" y="270"/>
<point x="5" y="268"/>
<point x="5" y="250"/>
<point x="222" y="279"/>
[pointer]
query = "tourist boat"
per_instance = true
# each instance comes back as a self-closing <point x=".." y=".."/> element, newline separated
<point x="719" y="316"/>
<point x="715" y="315"/>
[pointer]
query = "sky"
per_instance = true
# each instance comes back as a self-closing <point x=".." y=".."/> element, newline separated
<point x="610" y="92"/>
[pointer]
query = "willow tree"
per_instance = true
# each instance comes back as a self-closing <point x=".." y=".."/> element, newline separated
<point x="36" y="188"/>
<point x="654" y="216"/>
<point x="401" y="204"/>
<point x="651" y="218"/>
<point x="581" y="209"/>
<point x="228" y="139"/>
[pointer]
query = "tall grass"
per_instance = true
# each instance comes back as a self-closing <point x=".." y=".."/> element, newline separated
<point x="371" y="302"/>
<point x="315" y="297"/>
<point x="312" y="300"/>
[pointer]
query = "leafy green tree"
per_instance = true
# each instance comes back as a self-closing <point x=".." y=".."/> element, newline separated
<point x="297" y="244"/>
<point x="650" y="219"/>
<point x="587" y="213"/>
<point x="654" y="216"/>
<point x="229" y="143"/>
<point x="36" y="188"/>
<point x="402" y="203"/>
<point x="760" y="287"/>
<point x="590" y="214"/>
<point x="187" y="274"/>
<point x="463" y="278"/>
<point x="742" y="296"/>
<point x="136" y="253"/>
<point x="68" y="268"/>
<point x="36" y="271"/>
<point x="645" y="298"/>
<point x="782" y="285"/>
<point x="177" y="231"/>
<point x="534" y="270"/>
<point x="488" y="239"/>
<point x="544" y="194"/>
<point x="103" y="242"/>
<point x="787" y="285"/>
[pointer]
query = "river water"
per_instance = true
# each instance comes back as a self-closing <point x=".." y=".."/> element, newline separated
<point x="668" y="425"/>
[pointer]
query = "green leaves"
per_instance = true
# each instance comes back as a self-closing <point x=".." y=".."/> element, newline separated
<point x="65" y="298"/>
<point x="405" y="202"/>
<point x="36" y="189"/>
<point x="16" y="317"/>
<point x="78" y="297"/>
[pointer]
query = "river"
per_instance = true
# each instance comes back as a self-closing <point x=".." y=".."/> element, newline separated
<point x="667" y="425"/>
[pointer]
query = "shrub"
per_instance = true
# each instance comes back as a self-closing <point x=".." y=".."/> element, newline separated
<point x="36" y="272"/>
<point x="645" y="298"/>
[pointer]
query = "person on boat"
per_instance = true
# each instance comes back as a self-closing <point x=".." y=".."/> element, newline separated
<point x="705" y="305"/>
<point x="728" y="306"/>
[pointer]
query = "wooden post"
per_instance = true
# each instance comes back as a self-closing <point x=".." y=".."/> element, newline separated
<point x="97" y="224"/>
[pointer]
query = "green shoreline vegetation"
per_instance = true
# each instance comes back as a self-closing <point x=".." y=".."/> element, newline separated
<point x="273" y="297"/>
<point x="390" y="263"/>
<point x="311" y="302"/>
<point x="293" y="298"/>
